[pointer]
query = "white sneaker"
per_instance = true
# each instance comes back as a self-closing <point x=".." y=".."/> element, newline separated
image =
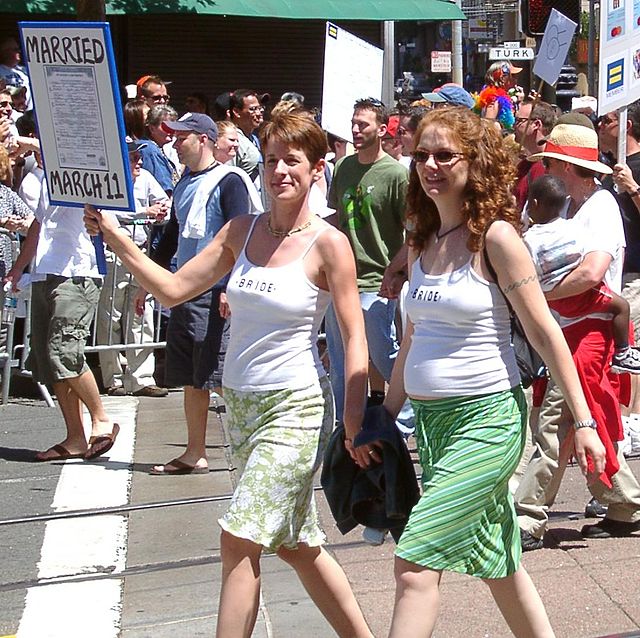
<point x="634" y="433"/>
<point x="374" y="536"/>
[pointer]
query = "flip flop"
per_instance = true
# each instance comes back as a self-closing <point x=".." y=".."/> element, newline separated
<point x="61" y="454"/>
<point x="179" y="467"/>
<point x="99" y="445"/>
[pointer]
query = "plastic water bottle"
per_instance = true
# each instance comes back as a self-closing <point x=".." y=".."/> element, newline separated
<point x="10" y="305"/>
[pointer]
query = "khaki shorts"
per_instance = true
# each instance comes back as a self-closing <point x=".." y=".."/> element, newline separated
<point x="62" y="309"/>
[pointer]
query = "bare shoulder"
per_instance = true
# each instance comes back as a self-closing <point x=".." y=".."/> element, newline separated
<point x="237" y="229"/>
<point x="500" y="234"/>
<point x="332" y="239"/>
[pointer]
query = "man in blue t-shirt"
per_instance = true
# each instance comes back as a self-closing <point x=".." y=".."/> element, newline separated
<point x="204" y="200"/>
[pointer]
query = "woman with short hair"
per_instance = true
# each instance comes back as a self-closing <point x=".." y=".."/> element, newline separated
<point x="286" y="266"/>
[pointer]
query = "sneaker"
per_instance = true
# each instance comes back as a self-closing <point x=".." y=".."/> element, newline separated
<point x="627" y="361"/>
<point x="608" y="528"/>
<point x="151" y="391"/>
<point x="595" y="509"/>
<point x="529" y="542"/>
<point x="625" y="444"/>
<point x="116" y="391"/>
<point x="633" y="425"/>
<point x="374" y="536"/>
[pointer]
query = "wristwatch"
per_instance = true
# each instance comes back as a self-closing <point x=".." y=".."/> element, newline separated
<point x="587" y="423"/>
<point x="635" y="193"/>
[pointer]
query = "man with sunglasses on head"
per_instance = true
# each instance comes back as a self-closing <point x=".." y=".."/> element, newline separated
<point x="153" y="90"/>
<point x="368" y="193"/>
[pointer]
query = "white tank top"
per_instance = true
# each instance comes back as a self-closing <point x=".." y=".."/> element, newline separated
<point x="461" y="343"/>
<point x="275" y="317"/>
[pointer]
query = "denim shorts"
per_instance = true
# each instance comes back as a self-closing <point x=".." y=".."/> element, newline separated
<point x="197" y="338"/>
<point x="62" y="309"/>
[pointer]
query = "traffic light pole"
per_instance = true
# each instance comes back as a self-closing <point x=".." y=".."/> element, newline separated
<point x="456" y="45"/>
<point x="591" y="56"/>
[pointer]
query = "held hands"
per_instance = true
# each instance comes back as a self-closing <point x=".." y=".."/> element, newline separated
<point x="392" y="282"/>
<point x="363" y="455"/>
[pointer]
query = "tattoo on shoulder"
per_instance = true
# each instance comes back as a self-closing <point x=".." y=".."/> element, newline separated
<point x="519" y="284"/>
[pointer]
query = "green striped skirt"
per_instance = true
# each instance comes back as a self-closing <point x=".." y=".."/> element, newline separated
<point x="465" y="520"/>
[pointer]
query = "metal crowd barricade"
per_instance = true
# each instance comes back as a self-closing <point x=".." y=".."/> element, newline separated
<point x="12" y="363"/>
<point x="7" y="357"/>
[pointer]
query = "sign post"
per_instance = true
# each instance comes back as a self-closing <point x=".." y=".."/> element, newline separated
<point x="77" y="106"/>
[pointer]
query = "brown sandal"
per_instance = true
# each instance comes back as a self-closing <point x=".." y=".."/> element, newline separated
<point x="99" y="445"/>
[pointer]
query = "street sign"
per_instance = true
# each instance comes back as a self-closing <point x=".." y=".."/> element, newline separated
<point x="502" y="53"/>
<point x="440" y="61"/>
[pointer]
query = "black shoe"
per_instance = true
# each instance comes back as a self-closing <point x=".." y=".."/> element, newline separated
<point x="529" y="542"/>
<point x="595" y="509"/>
<point x="376" y="398"/>
<point x="116" y="391"/>
<point x="151" y="391"/>
<point x="608" y="528"/>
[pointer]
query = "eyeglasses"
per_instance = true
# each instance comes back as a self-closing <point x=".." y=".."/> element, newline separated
<point x="159" y="98"/>
<point x="3" y="105"/>
<point x="605" y="121"/>
<point x="256" y="109"/>
<point x="441" y="158"/>
<point x="521" y="120"/>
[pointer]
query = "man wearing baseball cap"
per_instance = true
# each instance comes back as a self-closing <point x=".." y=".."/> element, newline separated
<point x="207" y="196"/>
<point x="571" y="154"/>
<point x="450" y="95"/>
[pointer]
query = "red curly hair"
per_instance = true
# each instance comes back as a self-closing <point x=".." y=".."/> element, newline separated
<point x="487" y="195"/>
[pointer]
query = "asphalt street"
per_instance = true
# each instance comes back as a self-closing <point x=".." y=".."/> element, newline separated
<point x="150" y="566"/>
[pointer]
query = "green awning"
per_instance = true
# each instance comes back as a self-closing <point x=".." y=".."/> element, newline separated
<point x="294" y="9"/>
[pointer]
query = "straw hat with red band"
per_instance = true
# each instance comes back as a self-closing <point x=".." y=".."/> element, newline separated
<point x="573" y="144"/>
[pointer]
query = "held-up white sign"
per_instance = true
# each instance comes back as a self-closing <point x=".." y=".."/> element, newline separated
<point x="509" y="53"/>
<point x="352" y="71"/>
<point x="77" y="105"/>
<point x="554" y="47"/>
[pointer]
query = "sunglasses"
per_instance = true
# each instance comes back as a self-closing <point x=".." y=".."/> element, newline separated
<point x="521" y="120"/>
<point x="441" y="158"/>
<point x="256" y="109"/>
<point x="160" y="98"/>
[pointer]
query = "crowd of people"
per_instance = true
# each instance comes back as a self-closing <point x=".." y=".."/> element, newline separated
<point x="413" y="249"/>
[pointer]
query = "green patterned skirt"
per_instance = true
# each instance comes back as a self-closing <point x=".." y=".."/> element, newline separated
<point x="465" y="520"/>
<point x="278" y="439"/>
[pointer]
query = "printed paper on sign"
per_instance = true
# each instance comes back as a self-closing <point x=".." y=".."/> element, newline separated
<point x="554" y="47"/>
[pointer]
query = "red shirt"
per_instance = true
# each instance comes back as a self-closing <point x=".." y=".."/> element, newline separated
<point x="526" y="173"/>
